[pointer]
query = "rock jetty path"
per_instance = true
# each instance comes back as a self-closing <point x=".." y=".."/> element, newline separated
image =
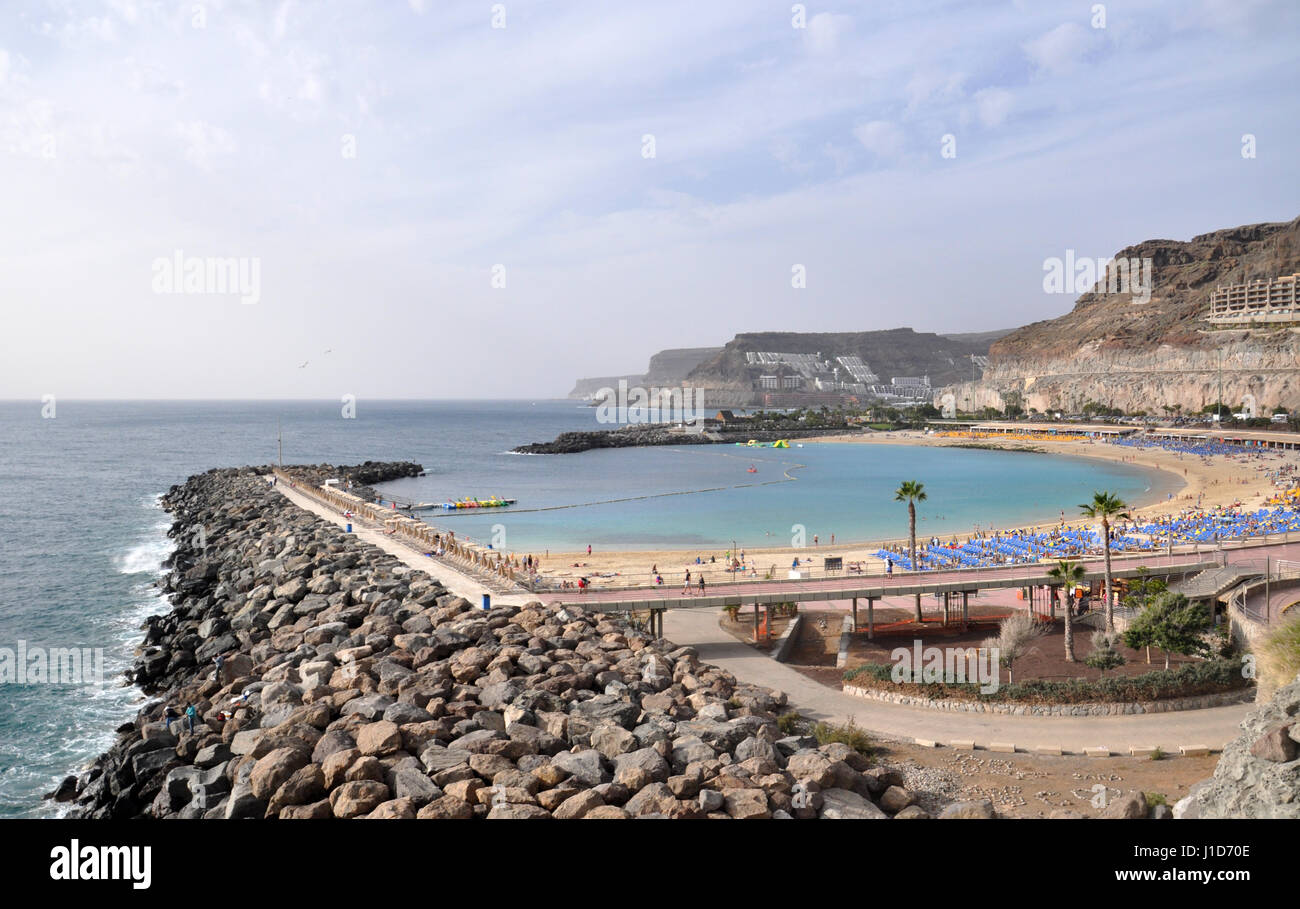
<point x="456" y="581"/>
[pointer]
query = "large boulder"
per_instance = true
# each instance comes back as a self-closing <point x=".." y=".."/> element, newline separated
<point x="980" y="810"/>
<point x="357" y="798"/>
<point x="271" y="771"/>
<point x="587" y="766"/>
<point x="1258" y="774"/>
<point x="844" y="804"/>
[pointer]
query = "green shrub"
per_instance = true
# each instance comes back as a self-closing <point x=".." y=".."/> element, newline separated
<point x="789" y="722"/>
<point x="1187" y="680"/>
<point x="847" y="733"/>
<point x="1158" y="754"/>
<point x="1278" y="657"/>
<point x="1156" y="798"/>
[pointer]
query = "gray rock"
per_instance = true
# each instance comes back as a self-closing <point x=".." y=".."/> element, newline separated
<point x="410" y="783"/>
<point x="981" y="809"/>
<point x="843" y="804"/>
<point x="711" y="800"/>
<point x="1131" y="806"/>
<point x="644" y="759"/>
<point x="588" y="767"/>
<point x="606" y="708"/>
<point x="369" y="706"/>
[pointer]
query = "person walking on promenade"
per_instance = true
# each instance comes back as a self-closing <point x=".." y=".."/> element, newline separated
<point x="686" y="583"/>
<point x="701" y="583"/>
<point x="889" y="567"/>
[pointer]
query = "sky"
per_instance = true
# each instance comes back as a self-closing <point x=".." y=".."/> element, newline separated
<point x="444" y="199"/>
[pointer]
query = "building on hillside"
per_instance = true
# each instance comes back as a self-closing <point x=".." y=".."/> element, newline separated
<point x="1264" y="302"/>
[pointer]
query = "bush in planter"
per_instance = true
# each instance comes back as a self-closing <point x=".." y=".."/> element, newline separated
<point x="1188" y="680"/>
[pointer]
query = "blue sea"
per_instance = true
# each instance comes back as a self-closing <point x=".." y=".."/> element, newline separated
<point x="82" y="536"/>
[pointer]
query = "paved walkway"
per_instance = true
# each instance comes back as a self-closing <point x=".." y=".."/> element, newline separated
<point x="1213" y="727"/>
<point x="453" y="579"/>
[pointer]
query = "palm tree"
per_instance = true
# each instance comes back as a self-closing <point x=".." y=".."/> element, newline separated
<point x="911" y="492"/>
<point x="1106" y="506"/>
<point x="1069" y="574"/>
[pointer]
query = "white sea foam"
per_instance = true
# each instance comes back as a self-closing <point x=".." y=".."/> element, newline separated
<point x="147" y="557"/>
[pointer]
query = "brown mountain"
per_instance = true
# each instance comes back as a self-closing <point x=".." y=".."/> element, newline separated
<point x="1145" y="356"/>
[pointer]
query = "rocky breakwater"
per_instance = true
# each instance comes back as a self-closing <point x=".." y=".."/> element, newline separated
<point x="359" y="478"/>
<point x="353" y="686"/>
<point x="637" y="436"/>
<point x="626" y="437"/>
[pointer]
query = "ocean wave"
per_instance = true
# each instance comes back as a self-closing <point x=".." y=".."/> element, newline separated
<point x="147" y="557"/>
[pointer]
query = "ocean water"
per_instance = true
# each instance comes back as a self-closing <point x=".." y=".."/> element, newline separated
<point x="82" y="536"/>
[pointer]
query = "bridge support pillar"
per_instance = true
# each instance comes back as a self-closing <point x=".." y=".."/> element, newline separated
<point x="756" y="623"/>
<point x="855" y="613"/>
<point x="871" y="618"/>
<point x="965" y="609"/>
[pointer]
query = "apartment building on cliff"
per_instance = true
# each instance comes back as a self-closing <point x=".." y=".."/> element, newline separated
<point x="1270" y="302"/>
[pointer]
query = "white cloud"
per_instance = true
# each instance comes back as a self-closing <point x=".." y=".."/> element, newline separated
<point x="281" y="22"/>
<point x="205" y="145"/>
<point x="481" y="146"/>
<point x="992" y="106"/>
<point x="1061" y="49"/>
<point x="825" y="31"/>
<point x="880" y="137"/>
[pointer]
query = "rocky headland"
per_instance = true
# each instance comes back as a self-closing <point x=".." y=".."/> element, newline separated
<point x="1258" y="774"/>
<point x="351" y="685"/>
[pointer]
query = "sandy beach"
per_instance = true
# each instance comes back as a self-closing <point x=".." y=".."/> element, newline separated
<point x="1206" y="483"/>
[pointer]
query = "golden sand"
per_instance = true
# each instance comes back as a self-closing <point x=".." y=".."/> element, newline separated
<point x="1208" y="482"/>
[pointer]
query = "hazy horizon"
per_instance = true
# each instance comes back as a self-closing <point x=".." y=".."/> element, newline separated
<point x="637" y="179"/>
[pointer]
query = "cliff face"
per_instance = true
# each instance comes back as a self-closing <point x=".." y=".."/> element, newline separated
<point x="896" y="352"/>
<point x="667" y="368"/>
<point x="1144" y="356"/>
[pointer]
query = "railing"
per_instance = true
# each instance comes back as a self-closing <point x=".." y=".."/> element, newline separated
<point x="491" y="564"/>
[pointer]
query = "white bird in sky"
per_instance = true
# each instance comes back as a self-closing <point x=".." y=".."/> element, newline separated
<point x="304" y="363"/>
